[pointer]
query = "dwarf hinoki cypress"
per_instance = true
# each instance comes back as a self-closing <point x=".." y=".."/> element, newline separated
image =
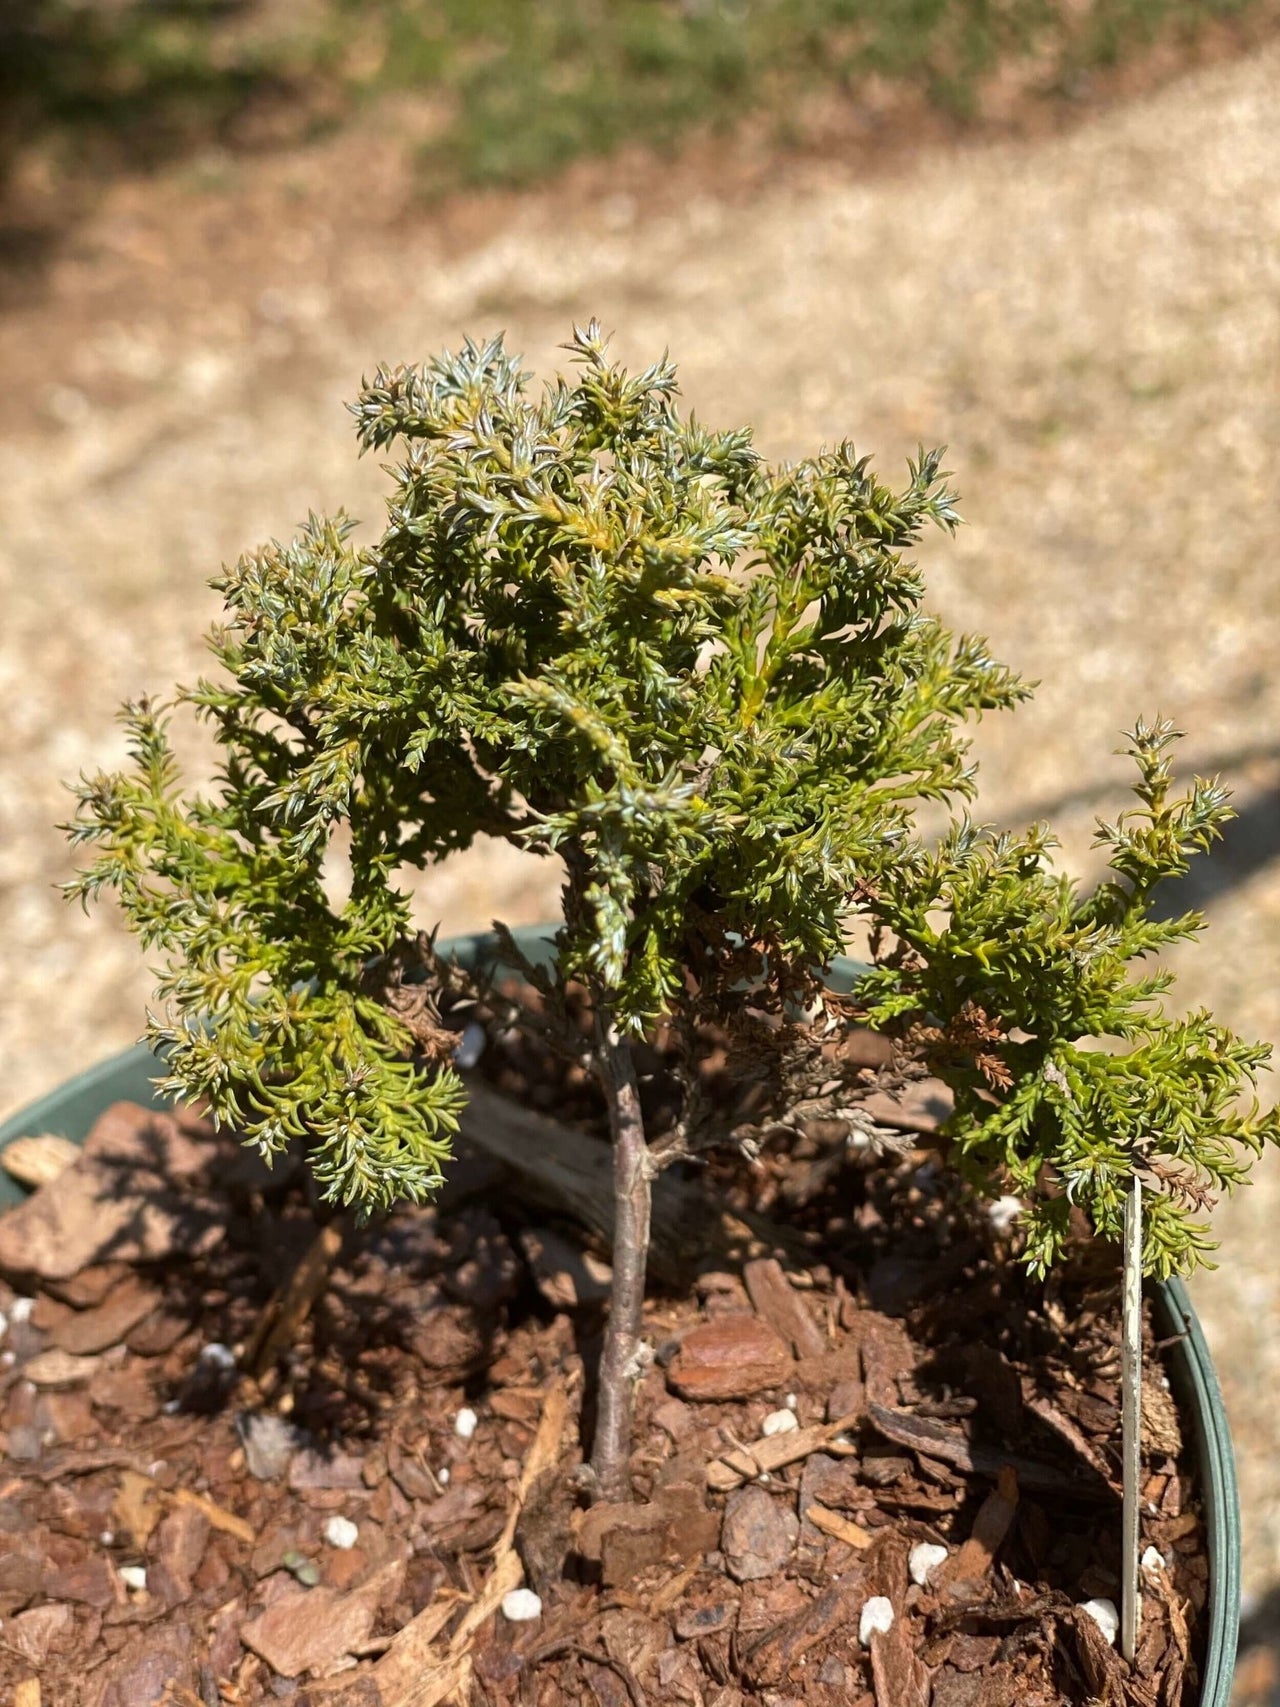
<point x="603" y="632"/>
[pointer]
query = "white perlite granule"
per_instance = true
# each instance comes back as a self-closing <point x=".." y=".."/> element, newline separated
<point x="521" y="1605"/>
<point x="877" y="1618"/>
<point x="1153" y="1560"/>
<point x="464" y="1424"/>
<point x="924" y="1559"/>
<point x="341" y="1532"/>
<point x="1104" y="1615"/>
<point x="470" y="1046"/>
<point x="1004" y="1212"/>
<point x="133" y="1576"/>
<point x="779" y="1422"/>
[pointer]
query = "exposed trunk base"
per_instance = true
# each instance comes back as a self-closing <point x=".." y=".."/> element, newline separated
<point x="621" y="1362"/>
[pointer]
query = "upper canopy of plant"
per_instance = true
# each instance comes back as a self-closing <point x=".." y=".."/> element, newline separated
<point x="595" y="628"/>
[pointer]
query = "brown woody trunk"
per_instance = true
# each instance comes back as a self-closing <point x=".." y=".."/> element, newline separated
<point x="620" y="1363"/>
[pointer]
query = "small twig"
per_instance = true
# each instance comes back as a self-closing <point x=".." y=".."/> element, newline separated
<point x="293" y="1301"/>
<point x="420" y="1459"/>
<point x="557" y="1650"/>
<point x="774" y="1452"/>
<point x="219" y="1517"/>
<point x="670" y="1591"/>
<point x="1173" y="1339"/>
<point x="842" y="1528"/>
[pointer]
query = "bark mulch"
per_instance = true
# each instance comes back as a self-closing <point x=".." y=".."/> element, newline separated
<point x="250" y="1457"/>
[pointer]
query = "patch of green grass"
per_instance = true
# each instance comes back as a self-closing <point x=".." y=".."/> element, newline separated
<point x="524" y="86"/>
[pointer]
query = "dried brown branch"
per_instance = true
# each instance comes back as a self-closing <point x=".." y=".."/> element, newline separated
<point x="293" y="1301"/>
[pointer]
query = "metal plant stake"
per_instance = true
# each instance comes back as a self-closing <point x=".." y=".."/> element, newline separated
<point x="1131" y="1417"/>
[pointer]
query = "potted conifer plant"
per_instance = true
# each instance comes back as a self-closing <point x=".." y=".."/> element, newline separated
<point x="607" y="634"/>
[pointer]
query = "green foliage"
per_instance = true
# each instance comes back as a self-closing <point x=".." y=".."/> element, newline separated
<point x="598" y="629"/>
<point x="590" y="627"/>
<point x="1067" y="1071"/>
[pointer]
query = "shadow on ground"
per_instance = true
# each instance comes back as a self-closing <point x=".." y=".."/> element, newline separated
<point x="127" y="86"/>
<point x="1249" y="843"/>
<point x="1257" y="1677"/>
<point x="135" y="79"/>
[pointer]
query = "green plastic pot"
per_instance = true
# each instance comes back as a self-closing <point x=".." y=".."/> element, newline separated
<point x="73" y="1108"/>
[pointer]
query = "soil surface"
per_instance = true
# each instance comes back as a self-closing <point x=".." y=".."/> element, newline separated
<point x="250" y="1459"/>
<point x="193" y="1504"/>
<point x="1091" y="317"/>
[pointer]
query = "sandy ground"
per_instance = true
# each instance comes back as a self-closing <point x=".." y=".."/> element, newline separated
<point x="1092" y="320"/>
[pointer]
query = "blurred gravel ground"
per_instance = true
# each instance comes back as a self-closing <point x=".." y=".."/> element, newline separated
<point x="1092" y="320"/>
